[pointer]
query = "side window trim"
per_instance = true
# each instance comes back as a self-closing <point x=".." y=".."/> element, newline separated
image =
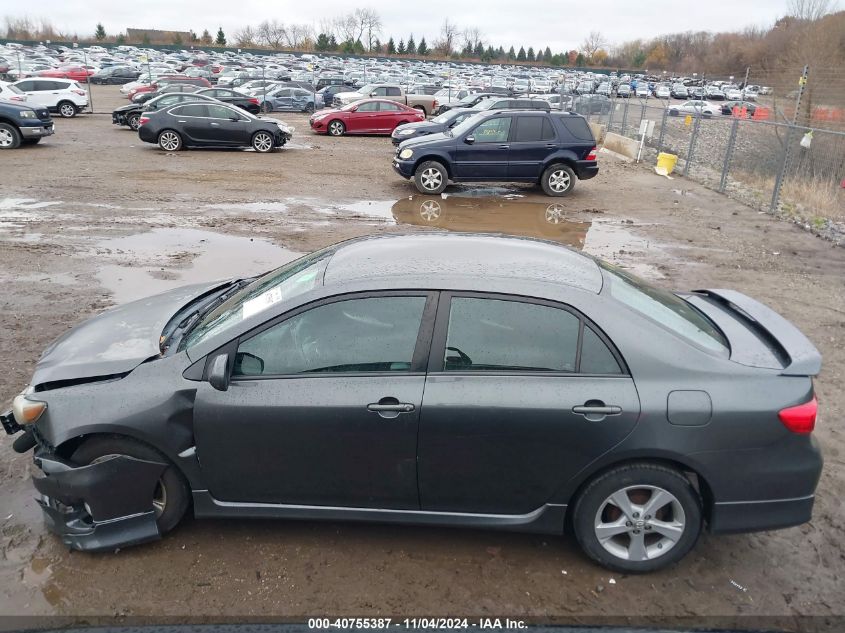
<point x="436" y="359"/>
<point x="419" y="360"/>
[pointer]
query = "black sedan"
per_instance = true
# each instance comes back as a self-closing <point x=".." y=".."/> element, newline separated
<point x="440" y="123"/>
<point x="736" y="107"/>
<point x="117" y="75"/>
<point x="233" y="97"/>
<point x="211" y="125"/>
<point x="130" y="115"/>
<point x="493" y="382"/>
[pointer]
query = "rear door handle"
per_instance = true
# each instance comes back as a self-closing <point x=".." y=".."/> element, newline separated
<point x="215" y="124"/>
<point x="504" y="146"/>
<point x="401" y="407"/>
<point x="597" y="410"/>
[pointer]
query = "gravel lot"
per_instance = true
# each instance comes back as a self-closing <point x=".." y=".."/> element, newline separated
<point x="92" y="216"/>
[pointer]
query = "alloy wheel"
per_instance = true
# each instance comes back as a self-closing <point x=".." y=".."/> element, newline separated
<point x="639" y="523"/>
<point x="431" y="178"/>
<point x="559" y="180"/>
<point x="430" y="210"/>
<point x="169" y="141"/>
<point x="6" y="138"/>
<point x="262" y="142"/>
<point x="67" y="110"/>
<point x="336" y="128"/>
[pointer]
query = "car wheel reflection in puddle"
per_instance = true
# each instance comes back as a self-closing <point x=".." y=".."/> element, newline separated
<point x="430" y="210"/>
<point x="555" y="213"/>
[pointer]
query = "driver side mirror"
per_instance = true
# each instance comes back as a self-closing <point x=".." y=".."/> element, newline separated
<point x="353" y="109"/>
<point x="469" y="140"/>
<point x="218" y="373"/>
<point x="234" y="118"/>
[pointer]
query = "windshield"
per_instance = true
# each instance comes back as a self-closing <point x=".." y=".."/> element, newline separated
<point x="464" y="126"/>
<point x="666" y="308"/>
<point x="446" y="116"/>
<point x="366" y="88"/>
<point x="282" y="284"/>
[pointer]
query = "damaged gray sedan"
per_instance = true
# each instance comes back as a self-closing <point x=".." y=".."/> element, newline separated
<point x="432" y="379"/>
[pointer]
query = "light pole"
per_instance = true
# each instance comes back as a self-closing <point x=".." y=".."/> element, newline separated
<point x="88" y="81"/>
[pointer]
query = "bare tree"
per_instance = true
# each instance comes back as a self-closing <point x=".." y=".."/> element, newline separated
<point x="370" y="22"/>
<point x="271" y="34"/>
<point x="811" y="10"/>
<point x="593" y="42"/>
<point x="472" y="38"/>
<point x="245" y="37"/>
<point x="448" y="33"/>
<point x="296" y="35"/>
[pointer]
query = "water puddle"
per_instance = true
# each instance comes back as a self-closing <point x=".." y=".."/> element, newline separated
<point x="370" y="209"/>
<point x="605" y="238"/>
<point x="7" y="204"/>
<point x="161" y="259"/>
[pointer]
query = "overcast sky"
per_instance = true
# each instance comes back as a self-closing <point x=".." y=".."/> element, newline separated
<point x="560" y="24"/>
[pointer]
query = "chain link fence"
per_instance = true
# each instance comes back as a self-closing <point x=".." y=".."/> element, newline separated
<point x="783" y="162"/>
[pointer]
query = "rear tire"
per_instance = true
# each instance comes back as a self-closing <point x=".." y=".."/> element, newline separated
<point x="10" y="138"/>
<point x="67" y="109"/>
<point x="558" y="180"/>
<point x="638" y="538"/>
<point x="169" y="141"/>
<point x="172" y="496"/>
<point x="421" y="109"/>
<point x="431" y="177"/>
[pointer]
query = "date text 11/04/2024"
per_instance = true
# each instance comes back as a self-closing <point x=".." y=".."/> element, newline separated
<point x="416" y="623"/>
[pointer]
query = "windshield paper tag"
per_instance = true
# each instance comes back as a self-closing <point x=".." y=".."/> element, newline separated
<point x="262" y="302"/>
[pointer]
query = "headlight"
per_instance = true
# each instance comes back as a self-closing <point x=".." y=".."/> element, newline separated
<point x="27" y="114"/>
<point x="405" y="132"/>
<point x="27" y="411"/>
<point x="406" y="153"/>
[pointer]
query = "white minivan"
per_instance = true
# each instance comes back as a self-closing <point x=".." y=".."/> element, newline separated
<point x="64" y="96"/>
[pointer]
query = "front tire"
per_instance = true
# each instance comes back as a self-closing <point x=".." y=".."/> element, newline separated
<point x="558" y="180"/>
<point x="431" y="177"/>
<point x="10" y="138"/>
<point x="171" y="496"/>
<point x="638" y="518"/>
<point x="133" y="122"/>
<point x="262" y="142"/>
<point x="336" y="128"/>
<point x="169" y="141"/>
<point x="67" y="110"/>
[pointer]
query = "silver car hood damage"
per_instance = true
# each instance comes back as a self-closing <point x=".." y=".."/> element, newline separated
<point x="115" y="341"/>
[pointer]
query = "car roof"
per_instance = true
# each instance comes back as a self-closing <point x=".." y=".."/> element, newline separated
<point x="429" y="259"/>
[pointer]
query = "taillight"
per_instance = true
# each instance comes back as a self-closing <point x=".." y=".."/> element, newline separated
<point x="592" y="154"/>
<point x="142" y="120"/>
<point x="800" y="418"/>
<point x="254" y="100"/>
<point x="81" y="93"/>
<point x="434" y="105"/>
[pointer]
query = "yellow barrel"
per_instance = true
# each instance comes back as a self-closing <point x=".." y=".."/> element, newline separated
<point x="666" y="162"/>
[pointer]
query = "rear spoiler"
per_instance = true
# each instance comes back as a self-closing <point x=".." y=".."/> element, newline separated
<point x="804" y="358"/>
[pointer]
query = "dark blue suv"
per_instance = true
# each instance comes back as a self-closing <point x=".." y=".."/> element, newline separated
<point x="552" y="148"/>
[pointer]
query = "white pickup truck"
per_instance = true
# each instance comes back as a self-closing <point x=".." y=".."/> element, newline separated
<point x="426" y="103"/>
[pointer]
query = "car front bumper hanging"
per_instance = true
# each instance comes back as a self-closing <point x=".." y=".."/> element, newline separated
<point x="101" y="506"/>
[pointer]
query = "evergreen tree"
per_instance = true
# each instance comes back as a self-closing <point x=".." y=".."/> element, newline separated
<point x="100" y="33"/>
<point x="547" y="55"/>
<point x="221" y="37"/>
<point x="511" y="54"/>
<point x="531" y="57"/>
<point x="194" y="37"/>
<point x="358" y="47"/>
<point x="411" y="46"/>
<point x="348" y="47"/>
<point x="401" y="48"/>
<point x="391" y="47"/>
<point x="206" y="38"/>
<point x="479" y="49"/>
<point x="540" y="55"/>
<point x="333" y="45"/>
<point x="377" y="46"/>
<point x="501" y="52"/>
<point x="121" y="39"/>
<point x="422" y="49"/>
<point x="490" y="52"/>
<point x="520" y="57"/>
<point x="580" y="60"/>
<point x="322" y="43"/>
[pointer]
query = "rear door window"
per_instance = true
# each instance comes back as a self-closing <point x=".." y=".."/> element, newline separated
<point x="528" y="129"/>
<point x="193" y="109"/>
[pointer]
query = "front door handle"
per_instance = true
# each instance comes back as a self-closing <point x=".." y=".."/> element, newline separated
<point x="390" y="408"/>
<point x="596" y="410"/>
<point x="504" y="146"/>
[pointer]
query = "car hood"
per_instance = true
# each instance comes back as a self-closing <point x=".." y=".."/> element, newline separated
<point x="128" y="108"/>
<point x="422" y="125"/>
<point x="427" y="140"/>
<point x="349" y="95"/>
<point x="115" y="341"/>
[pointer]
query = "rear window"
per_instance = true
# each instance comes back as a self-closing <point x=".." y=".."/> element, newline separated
<point x="665" y="308"/>
<point x="577" y="127"/>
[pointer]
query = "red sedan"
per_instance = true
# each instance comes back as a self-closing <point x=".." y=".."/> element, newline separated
<point x="77" y="73"/>
<point x="369" y="116"/>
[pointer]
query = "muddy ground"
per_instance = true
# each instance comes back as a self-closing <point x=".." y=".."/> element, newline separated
<point x="91" y="217"/>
